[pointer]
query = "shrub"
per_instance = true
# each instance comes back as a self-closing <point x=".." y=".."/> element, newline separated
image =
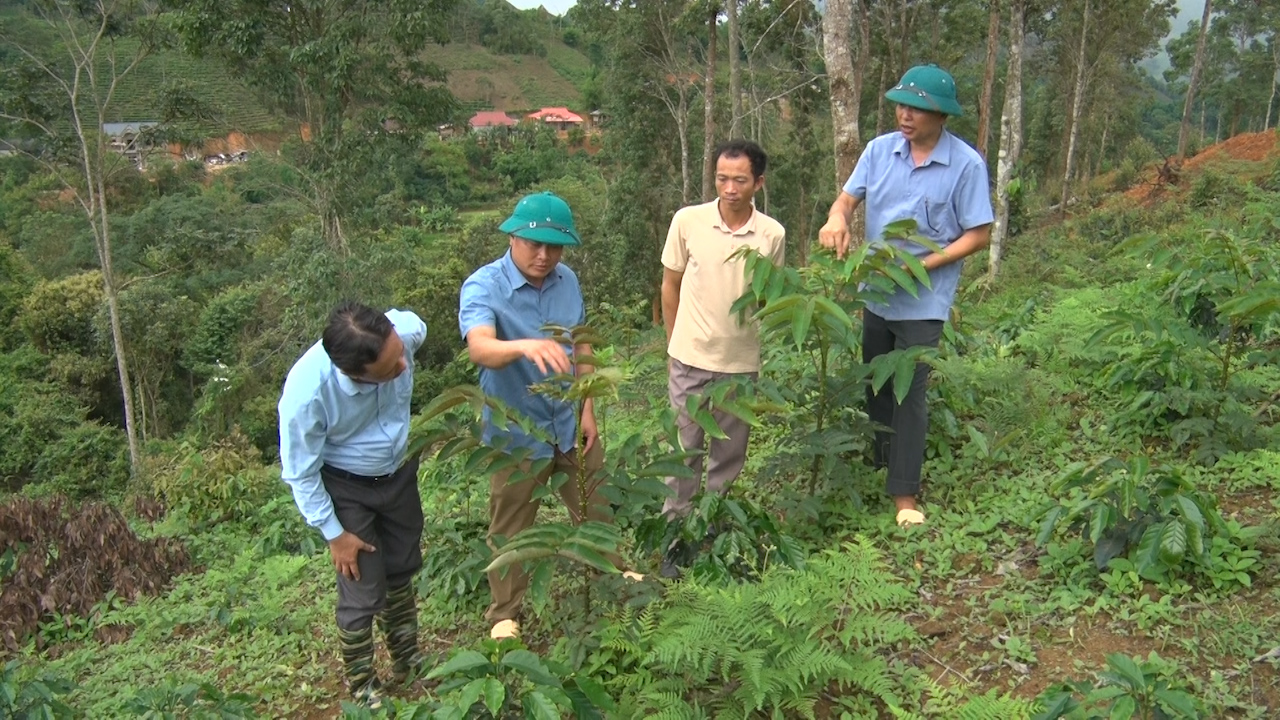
<point x="222" y="481"/>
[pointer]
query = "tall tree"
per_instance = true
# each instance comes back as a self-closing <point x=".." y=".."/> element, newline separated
<point x="735" y="71"/>
<point x="1010" y="136"/>
<point x="709" y="108"/>
<point x="66" y="102"/>
<point x="989" y="76"/>
<point x="1184" y="130"/>
<point x="1077" y="105"/>
<point x="844" y="83"/>
<point x="340" y="67"/>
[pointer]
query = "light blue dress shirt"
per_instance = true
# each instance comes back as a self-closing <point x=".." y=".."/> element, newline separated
<point x="946" y="196"/>
<point x="326" y="418"/>
<point x="498" y="296"/>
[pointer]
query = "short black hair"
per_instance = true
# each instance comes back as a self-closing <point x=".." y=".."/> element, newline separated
<point x="740" y="148"/>
<point x="354" y="336"/>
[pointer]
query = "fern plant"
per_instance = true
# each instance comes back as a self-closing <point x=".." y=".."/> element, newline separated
<point x="775" y="646"/>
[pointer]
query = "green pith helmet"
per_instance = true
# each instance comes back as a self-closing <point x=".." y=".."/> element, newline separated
<point x="927" y="87"/>
<point x="542" y="217"/>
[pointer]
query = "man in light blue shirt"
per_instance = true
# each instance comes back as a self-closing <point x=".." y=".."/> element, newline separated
<point x="502" y="309"/>
<point x="922" y="172"/>
<point x="344" y="427"/>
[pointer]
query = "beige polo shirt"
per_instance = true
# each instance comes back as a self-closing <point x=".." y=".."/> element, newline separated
<point x="706" y="335"/>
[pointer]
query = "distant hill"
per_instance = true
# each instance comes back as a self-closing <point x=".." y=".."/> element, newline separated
<point x="479" y="77"/>
<point x="482" y="79"/>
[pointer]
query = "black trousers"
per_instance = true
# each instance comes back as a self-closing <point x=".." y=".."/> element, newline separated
<point x="902" y="450"/>
<point x="387" y="515"/>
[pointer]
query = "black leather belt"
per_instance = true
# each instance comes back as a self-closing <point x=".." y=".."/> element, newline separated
<point x="367" y="479"/>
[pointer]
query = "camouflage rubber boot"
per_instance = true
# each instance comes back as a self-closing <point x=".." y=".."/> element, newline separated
<point x="399" y="625"/>
<point x="357" y="662"/>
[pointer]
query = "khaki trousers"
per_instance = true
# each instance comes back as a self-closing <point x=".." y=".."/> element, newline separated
<point x="725" y="457"/>
<point x="513" y="508"/>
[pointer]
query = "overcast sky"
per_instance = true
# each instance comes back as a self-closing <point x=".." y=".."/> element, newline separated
<point x="555" y="7"/>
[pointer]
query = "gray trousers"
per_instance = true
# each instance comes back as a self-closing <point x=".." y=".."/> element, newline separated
<point x="902" y="450"/>
<point x="726" y="456"/>
<point x="387" y="515"/>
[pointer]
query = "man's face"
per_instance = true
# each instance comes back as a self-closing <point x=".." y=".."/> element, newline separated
<point x="735" y="184"/>
<point x="390" y="363"/>
<point x="535" y="260"/>
<point x="920" y="125"/>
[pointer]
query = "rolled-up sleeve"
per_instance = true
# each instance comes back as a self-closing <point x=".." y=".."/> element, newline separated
<point x="302" y="436"/>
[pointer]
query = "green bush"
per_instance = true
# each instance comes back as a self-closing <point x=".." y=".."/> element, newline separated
<point x="224" y="480"/>
<point x="89" y="460"/>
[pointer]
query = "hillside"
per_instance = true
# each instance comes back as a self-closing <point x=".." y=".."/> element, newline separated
<point x="482" y="79"/>
<point x="477" y="76"/>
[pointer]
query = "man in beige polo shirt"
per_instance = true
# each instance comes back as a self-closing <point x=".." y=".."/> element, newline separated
<point x="706" y="342"/>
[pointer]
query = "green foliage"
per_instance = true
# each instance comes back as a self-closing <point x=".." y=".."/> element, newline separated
<point x="812" y="310"/>
<point x="629" y="479"/>
<point x="1128" y="688"/>
<point x="33" y="698"/>
<point x="772" y="646"/>
<point x="1154" y="517"/>
<point x="1179" y="379"/>
<point x="224" y="480"/>
<point x="191" y="700"/>
<point x="509" y="681"/>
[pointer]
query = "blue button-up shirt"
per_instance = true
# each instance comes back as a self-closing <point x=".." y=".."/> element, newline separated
<point x="328" y="418"/>
<point x="946" y="196"/>
<point x="498" y="296"/>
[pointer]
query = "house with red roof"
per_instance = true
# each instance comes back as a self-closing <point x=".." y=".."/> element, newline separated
<point x="560" y="118"/>
<point x="487" y="120"/>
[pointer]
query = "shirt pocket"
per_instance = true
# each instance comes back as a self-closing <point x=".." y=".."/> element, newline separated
<point x="941" y="220"/>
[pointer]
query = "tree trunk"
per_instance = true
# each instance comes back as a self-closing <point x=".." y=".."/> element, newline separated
<point x="989" y="78"/>
<point x="709" y="112"/>
<point x="1184" y="130"/>
<point x="682" y="127"/>
<point x="1010" y="136"/>
<point x="735" y="73"/>
<point x="1275" y="80"/>
<point x="1077" y="107"/>
<point x="837" y="27"/>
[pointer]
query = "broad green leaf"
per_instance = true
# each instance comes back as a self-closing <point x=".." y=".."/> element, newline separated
<point x="707" y="422"/>
<point x="1050" y="522"/>
<point x="471" y="693"/>
<point x="1190" y="511"/>
<point x="532" y="667"/>
<point x="1173" y="542"/>
<point x="1177" y="702"/>
<point x="587" y="556"/>
<point x="1102" y="520"/>
<point x="977" y="438"/>
<point x="903" y="279"/>
<point x="1128" y="669"/>
<point x="904" y="373"/>
<point x="462" y="662"/>
<point x="539" y="707"/>
<point x="583" y="708"/>
<point x="804" y="318"/>
<point x="1110" y="546"/>
<point x="495" y="693"/>
<point x="1124" y="708"/>
<point x="595" y="692"/>
<point x="522" y="555"/>
<point x="1149" y="548"/>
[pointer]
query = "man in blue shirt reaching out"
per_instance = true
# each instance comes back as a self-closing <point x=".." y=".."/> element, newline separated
<point x="502" y="309"/>
<point x="344" y="430"/>
<point x="923" y="172"/>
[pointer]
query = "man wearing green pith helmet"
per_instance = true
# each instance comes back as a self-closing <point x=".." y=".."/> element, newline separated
<point x="921" y="172"/>
<point x="501" y="312"/>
